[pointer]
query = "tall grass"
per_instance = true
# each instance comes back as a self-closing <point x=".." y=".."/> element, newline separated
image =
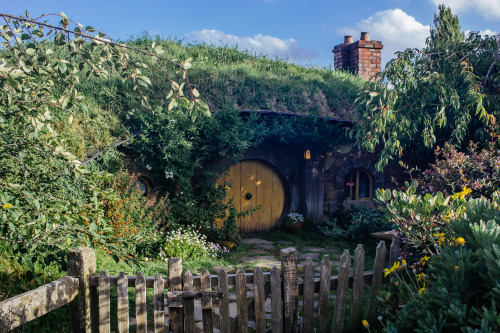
<point x="232" y="79"/>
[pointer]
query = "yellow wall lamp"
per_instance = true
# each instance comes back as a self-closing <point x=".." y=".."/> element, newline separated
<point x="307" y="154"/>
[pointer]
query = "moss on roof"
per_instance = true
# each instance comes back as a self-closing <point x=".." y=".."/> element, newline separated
<point x="232" y="79"/>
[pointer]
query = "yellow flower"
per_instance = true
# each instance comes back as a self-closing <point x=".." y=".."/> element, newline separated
<point x="447" y="217"/>
<point x="421" y="277"/>
<point x="421" y="291"/>
<point x="392" y="269"/>
<point x="403" y="263"/>
<point x="457" y="268"/>
<point x="461" y="195"/>
<point x="7" y="206"/>
<point x="440" y="238"/>
<point x="424" y="260"/>
<point x="365" y="323"/>
<point x="460" y="241"/>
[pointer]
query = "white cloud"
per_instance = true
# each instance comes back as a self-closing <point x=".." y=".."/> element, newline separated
<point x="269" y="45"/>
<point x="396" y="29"/>
<point x="488" y="9"/>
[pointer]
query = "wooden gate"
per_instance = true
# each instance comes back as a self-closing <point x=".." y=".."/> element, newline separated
<point x="255" y="184"/>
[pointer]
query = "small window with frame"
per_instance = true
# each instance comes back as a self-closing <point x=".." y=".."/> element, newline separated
<point x="358" y="185"/>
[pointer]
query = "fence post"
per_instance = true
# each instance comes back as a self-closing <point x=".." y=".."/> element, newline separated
<point x="175" y="318"/>
<point x="82" y="265"/>
<point x="395" y="251"/>
<point x="357" y="289"/>
<point x="378" y="272"/>
<point x="290" y="289"/>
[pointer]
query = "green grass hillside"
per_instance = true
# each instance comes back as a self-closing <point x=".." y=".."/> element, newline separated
<point x="229" y="79"/>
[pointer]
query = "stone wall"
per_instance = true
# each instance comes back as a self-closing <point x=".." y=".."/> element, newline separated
<point x="339" y="164"/>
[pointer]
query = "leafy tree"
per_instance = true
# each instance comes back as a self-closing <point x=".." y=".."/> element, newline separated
<point x="446" y="27"/>
<point x="445" y="92"/>
<point x="49" y="201"/>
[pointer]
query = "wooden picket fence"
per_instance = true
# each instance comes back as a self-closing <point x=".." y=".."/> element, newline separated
<point x="174" y="296"/>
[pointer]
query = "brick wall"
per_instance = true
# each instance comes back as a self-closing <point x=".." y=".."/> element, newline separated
<point x="362" y="57"/>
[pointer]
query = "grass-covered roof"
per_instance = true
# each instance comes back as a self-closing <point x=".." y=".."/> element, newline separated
<point x="232" y="79"/>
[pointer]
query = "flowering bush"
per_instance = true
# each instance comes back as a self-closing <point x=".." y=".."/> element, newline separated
<point x="453" y="170"/>
<point x="422" y="219"/>
<point x="135" y="219"/>
<point x="293" y="218"/>
<point x="457" y="288"/>
<point x="189" y="243"/>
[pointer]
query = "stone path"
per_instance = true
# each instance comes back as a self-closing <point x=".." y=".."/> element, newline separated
<point x="266" y="254"/>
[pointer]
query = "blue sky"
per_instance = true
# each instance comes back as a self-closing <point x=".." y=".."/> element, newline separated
<point x="304" y="31"/>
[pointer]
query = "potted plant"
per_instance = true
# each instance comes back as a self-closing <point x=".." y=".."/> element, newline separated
<point x="229" y="234"/>
<point x="294" y="221"/>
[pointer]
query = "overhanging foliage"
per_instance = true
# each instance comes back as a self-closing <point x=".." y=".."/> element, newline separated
<point x="447" y="91"/>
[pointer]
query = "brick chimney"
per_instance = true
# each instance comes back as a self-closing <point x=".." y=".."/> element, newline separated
<point x="362" y="57"/>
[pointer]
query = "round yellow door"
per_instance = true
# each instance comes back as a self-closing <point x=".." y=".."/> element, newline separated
<point x="255" y="185"/>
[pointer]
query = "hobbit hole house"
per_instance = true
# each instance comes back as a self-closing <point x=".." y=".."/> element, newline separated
<point x="282" y="178"/>
<point x="275" y="179"/>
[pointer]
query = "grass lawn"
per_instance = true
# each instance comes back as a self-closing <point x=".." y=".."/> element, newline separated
<point x="230" y="262"/>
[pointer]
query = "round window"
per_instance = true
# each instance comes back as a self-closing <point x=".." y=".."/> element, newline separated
<point x="142" y="185"/>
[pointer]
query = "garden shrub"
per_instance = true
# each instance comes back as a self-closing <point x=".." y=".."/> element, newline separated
<point x="49" y="201"/>
<point x="136" y="220"/>
<point x="460" y="290"/>
<point x="356" y="223"/>
<point x="419" y="217"/>
<point x="187" y="243"/>
<point x="476" y="169"/>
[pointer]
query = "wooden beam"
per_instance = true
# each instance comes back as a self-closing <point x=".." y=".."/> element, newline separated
<point x="23" y="308"/>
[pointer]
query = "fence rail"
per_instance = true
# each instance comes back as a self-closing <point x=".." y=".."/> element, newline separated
<point x="178" y="297"/>
<point x="231" y="278"/>
<point x="19" y="310"/>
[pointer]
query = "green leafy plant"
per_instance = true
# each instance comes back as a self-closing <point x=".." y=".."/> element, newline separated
<point x="445" y="92"/>
<point x="460" y="288"/>
<point x="419" y="217"/>
<point x="355" y="223"/>
<point x="50" y="201"/>
<point x="188" y="243"/>
<point x="228" y="229"/>
<point x="292" y="219"/>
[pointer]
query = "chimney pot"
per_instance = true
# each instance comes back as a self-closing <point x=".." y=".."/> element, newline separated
<point x="362" y="57"/>
<point x="348" y="39"/>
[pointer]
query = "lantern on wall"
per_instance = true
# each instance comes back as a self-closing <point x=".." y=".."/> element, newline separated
<point x="307" y="154"/>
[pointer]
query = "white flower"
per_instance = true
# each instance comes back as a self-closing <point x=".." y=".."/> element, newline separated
<point x="148" y="167"/>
